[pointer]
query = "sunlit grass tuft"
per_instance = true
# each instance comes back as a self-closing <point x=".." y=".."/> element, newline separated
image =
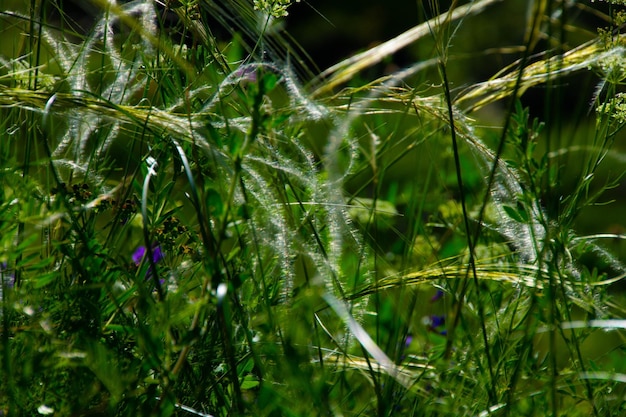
<point x="187" y="227"/>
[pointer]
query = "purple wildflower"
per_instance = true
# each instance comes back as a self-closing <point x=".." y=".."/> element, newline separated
<point x="140" y="252"/>
<point x="157" y="256"/>
<point x="435" y="324"/>
<point x="407" y="345"/>
<point x="437" y="321"/>
<point x="408" y="340"/>
<point x="138" y="255"/>
<point x="438" y="295"/>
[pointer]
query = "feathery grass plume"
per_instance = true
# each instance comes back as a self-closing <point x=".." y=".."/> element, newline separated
<point x="295" y="240"/>
<point x="350" y="67"/>
<point x="584" y="57"/>
<point x="544" y="245"/>
<point x="260" y="188"/>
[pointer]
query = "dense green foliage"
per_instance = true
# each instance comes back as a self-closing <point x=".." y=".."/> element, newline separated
<point x="194" y="222"/>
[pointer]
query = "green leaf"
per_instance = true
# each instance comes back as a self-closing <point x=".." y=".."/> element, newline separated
<point x="45" y="279"/>
<point x="214" y="203"/>
<point x="519" y="213"/>
<point x="269" y="81"/>
<point x="249" y="381"/>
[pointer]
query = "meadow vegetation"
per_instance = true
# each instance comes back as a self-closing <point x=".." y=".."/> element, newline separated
<point x="194" y="220"/>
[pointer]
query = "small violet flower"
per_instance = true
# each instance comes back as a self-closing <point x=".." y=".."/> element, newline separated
<point x="438" y="296"/>
<point x="435" y="323"/>
<point x="157" y="256"/>
<point x="407" y="344"/>
<point x="408" y="340"/>
<point x="138" y="255"/>
<point x="140" y="252"/>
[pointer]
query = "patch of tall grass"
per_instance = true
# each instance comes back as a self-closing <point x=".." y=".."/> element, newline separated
<point x="193" y="225"/>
